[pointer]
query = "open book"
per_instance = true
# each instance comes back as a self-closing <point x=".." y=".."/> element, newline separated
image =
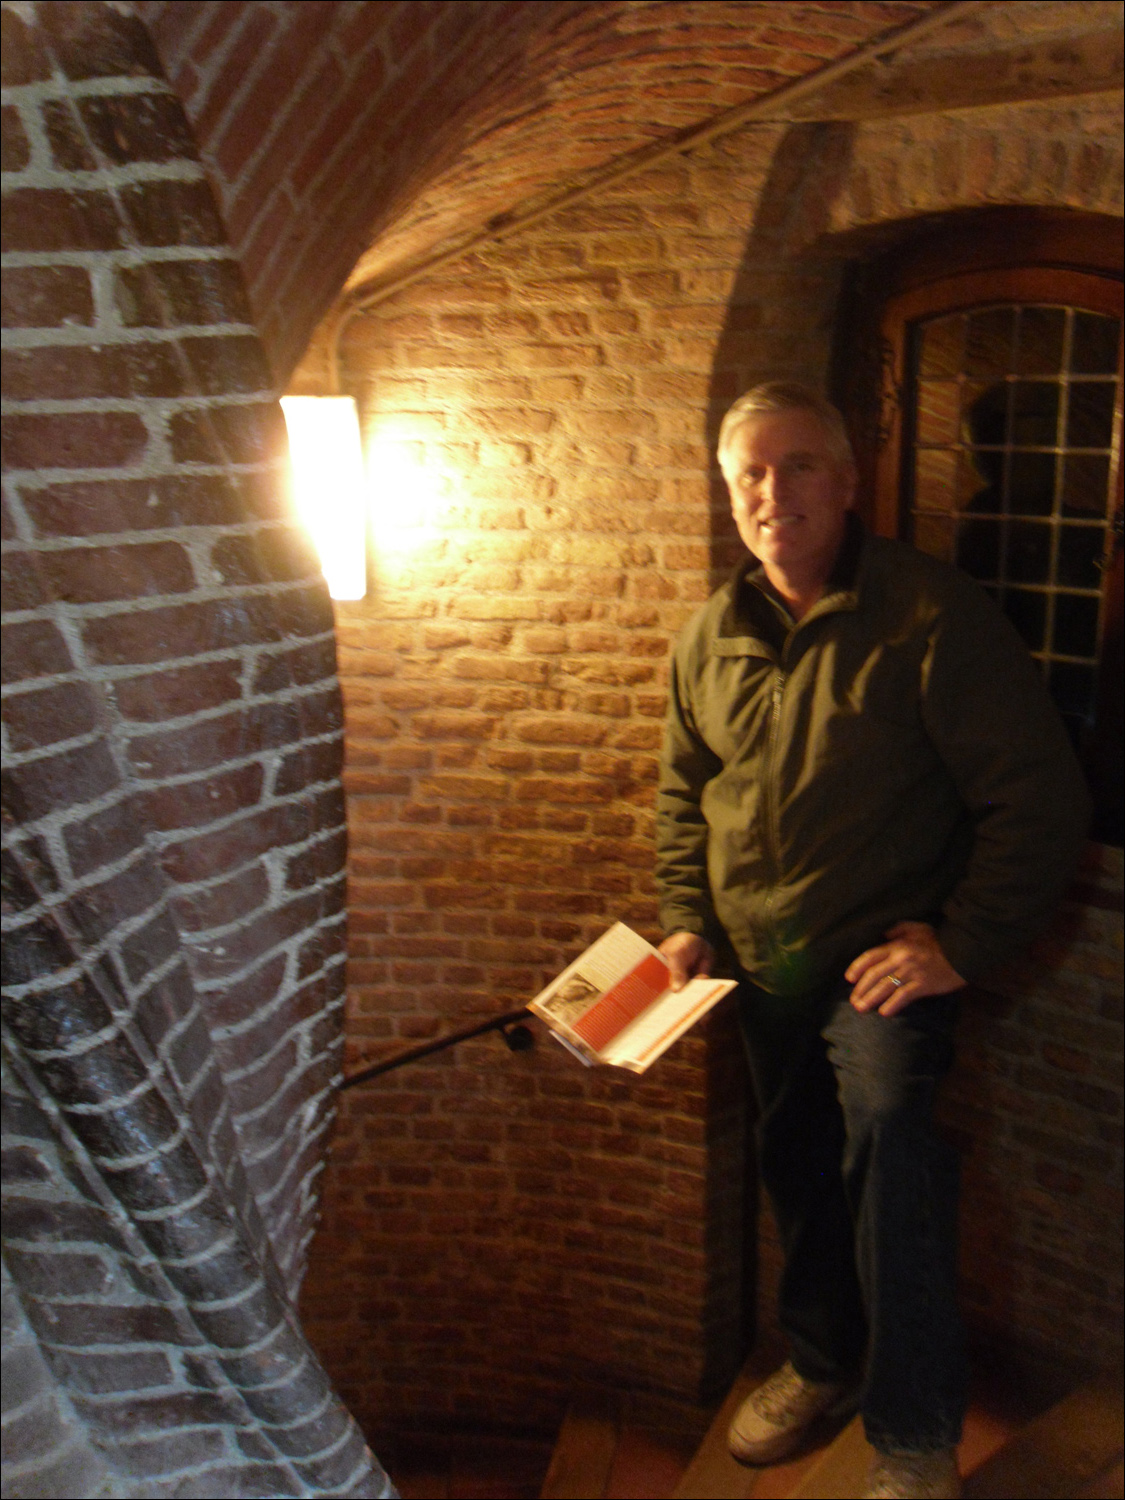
<point x="613" y="1004"/>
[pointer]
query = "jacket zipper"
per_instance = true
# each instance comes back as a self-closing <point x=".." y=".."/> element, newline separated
<point x="773" y="817"/>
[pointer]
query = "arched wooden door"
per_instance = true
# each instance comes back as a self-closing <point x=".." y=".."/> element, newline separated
<point x="996" y="445"/>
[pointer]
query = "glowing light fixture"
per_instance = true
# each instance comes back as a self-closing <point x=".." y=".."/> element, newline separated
<point x="329" y="486"/>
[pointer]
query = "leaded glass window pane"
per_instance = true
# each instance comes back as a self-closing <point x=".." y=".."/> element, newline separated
<point x="1012" y="429"/>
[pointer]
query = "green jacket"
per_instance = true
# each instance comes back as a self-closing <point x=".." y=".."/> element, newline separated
<point x="894" y="756"/>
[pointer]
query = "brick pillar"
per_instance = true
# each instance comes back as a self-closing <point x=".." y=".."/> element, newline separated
<point x="172" y="818"/>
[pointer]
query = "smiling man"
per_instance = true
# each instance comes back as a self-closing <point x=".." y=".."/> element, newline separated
<point x="866" y="801"/>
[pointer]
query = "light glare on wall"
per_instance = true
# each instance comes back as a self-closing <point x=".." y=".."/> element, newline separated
<point x="329" y="487"/>
<point x="406" y="495"/>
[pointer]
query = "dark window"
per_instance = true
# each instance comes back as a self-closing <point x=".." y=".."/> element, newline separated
<point x="979" y="366"/>
<point x="986" y="487"/>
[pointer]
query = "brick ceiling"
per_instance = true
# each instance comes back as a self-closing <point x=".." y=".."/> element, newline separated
<point x="407" y="126"/>
<point x="351" y="141"/>
<point x="568" y="87"/>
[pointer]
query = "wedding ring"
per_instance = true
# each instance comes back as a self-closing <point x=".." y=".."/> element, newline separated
<point x="896" y="981"/>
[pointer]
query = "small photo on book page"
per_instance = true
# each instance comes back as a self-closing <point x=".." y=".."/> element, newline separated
<point x="570" y="999"/>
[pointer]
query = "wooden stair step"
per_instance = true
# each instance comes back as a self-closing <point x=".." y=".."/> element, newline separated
<point x="1075" y="1445"/>
<point x="840" y="1473"/>
<point x="1072" y="1450"/>
<point x="713" y="1474"/>
<point x="587" y="1444"/>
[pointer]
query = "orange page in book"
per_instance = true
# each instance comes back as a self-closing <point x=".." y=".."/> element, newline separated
<point x="624" y="1002"/>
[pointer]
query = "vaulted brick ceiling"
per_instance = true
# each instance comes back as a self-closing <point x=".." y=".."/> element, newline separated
<point x="348" y="141"/>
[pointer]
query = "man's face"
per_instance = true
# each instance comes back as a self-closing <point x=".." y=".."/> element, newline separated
<point x="790" y="490"/>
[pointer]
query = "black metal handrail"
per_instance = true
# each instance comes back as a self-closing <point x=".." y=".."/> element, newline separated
<point x="517" y="1038"/>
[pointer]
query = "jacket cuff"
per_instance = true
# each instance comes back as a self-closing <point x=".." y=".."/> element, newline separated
<point x="969" y="957"/>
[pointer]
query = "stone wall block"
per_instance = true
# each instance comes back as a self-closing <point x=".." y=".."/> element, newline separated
<point x="86" y="44"/>
<point x="219" y="435"/>
<point x="69" y="149"/>
<point x="137" y="127"/>
<point x="163" y="213"/>
<point x="49" y="219"/>
<point x="15" y="151"/>
<point x="79" y="440"/>
<point x="165" y="293"/>
<point x="50" y="296"/>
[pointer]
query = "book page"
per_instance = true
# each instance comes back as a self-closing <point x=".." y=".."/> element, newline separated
<point x="567" y="999"/>
<point x="650" y="1035"/>
<point x="623" y="1002"/>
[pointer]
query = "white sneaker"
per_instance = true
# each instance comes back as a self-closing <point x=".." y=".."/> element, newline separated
<point x="914" y="1476"/>
<point x="771" y="1423"/>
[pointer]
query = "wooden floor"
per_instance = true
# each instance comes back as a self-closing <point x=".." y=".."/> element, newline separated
<point x="467" y="1468"/>
<point x="624" y="1460"/>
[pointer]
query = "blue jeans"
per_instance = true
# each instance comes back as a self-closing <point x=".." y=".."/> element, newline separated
<point x="865" y="1196"/>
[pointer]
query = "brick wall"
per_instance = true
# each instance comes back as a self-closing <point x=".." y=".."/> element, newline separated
<point x="1036" y="1107"/>
<point x="173" y="835"/>
<point x="540" y="415"/>
<point x="327" y="126"/>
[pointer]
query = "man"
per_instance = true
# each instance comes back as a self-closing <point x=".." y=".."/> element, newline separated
<point x="866" y="801"/>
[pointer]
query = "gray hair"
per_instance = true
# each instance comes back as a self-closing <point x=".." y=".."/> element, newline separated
<point x="786" y="395"/>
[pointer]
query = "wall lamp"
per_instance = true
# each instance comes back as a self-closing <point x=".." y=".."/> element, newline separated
<point x="329" y="486"/>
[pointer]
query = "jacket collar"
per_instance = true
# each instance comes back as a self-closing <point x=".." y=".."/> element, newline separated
<point x="756" y="623"/>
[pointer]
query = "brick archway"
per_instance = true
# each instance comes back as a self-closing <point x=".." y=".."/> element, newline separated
<point x="344" y="142"/>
